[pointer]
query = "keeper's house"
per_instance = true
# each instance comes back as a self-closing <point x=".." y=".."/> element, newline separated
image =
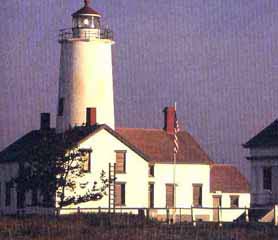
<point x="144" y="171"/>
<point x="144" y="157"/>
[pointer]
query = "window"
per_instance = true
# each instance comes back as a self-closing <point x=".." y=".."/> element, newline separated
<point x="267" y="178"/>
<point x="61" y="107"/>
<point x="86" y="159"/>
<point x="83" y="22"/>
<point x="151" y="170"/>
<point x="119" y="194"/>
<point x="234" y="201"/>
<point x="20" y="197"/>
<point x="120" y="161"/>
<point x="34" y="197"/>
<point x="197" y="195"/>
<point x="8" y="194"/>
<point x="151" y="195"/>
<point x="169" y="195"/>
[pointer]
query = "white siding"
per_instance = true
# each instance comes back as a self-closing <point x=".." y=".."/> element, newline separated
<point x="186" y="175"/>
<point x="103" y="146"/>
<point x="86" y="80"/>
<point x="228" y="215"/>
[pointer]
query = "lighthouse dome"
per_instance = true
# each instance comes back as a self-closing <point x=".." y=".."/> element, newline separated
<point x="86" y="10"/>
<point x="86" y="17"/>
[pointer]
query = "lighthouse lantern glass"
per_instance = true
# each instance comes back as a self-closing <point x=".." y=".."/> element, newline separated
<point x="86" y="22"/>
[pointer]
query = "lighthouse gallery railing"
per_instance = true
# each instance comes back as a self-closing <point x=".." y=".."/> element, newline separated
<point x="68" y="34"/>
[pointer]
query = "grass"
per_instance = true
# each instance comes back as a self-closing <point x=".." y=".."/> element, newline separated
<point x="125" y="227"/>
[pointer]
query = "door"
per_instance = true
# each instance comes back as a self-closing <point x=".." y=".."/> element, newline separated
<point x="216" y="205"/>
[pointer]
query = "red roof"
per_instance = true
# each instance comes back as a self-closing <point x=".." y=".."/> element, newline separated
<point x="158" y="145"/>
<point x="86" y="10"/>
<point x="227" y="178"/>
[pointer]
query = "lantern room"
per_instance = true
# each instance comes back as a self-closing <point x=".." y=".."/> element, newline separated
<point x="86" y="22"/>
<point x="86" y="17"/>
<point x="85" y="26"/>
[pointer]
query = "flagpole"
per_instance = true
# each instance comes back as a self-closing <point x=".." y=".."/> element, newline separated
<point x="174" y="174"/>
<point x="174" y="181"/>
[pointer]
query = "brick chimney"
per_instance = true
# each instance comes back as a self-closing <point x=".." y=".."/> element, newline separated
<point x="91" y="116"/>
<point x="45" y="121"/>
<point x="169" y="119"/>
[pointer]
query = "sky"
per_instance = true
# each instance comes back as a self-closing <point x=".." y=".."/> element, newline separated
<point x="217" y="59"/>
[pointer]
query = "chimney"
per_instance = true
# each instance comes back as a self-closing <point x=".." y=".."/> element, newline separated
<point x="169" y="119"/>
<point x="45" y="121"/>
<point x="91" y="116"/>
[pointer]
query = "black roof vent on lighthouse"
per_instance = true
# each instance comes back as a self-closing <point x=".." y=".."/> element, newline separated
<point x="86" y="10"/>
<point x="86" y="17"/>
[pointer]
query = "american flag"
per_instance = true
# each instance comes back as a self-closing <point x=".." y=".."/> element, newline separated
<point x="176" y="131"/>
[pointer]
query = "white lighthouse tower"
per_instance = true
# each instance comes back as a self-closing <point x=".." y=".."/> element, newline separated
<point x="86" y="79"/>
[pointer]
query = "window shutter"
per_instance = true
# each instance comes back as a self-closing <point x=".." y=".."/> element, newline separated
<point x="169" y="195"/>
<point x="197" y="195"/>
<point x="86" y="159"/>
<point x="119" y="194"/>
<point x="120" y="162"/>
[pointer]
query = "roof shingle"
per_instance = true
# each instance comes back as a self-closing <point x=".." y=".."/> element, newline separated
<point x="154" y="145"/>
<point x="23" y="147"/>
<point x="227" y="178"/>
<point x="158" y="145"/>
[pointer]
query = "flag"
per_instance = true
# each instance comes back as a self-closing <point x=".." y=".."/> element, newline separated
<point x="176" y="131"/>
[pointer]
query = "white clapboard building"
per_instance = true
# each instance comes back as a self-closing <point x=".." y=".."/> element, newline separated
<point x="145" y="170"/>
<point x="263" y="157"/>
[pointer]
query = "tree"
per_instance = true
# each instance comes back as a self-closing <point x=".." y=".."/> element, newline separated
<point x="53" y="168"/>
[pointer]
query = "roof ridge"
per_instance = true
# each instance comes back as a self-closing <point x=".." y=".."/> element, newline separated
<point x="151" y="129"/>
<point x="136" y="128"/>
<point x="223" y="165"/>
<point x="265" y="132"/>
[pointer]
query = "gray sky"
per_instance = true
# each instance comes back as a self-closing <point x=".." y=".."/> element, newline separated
<point x="217" y="58"/>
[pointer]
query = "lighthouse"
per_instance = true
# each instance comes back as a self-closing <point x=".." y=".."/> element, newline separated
<point x="86" y="79"/>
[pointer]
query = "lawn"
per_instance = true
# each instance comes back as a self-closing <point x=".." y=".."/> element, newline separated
<point x="128" y="227"/>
